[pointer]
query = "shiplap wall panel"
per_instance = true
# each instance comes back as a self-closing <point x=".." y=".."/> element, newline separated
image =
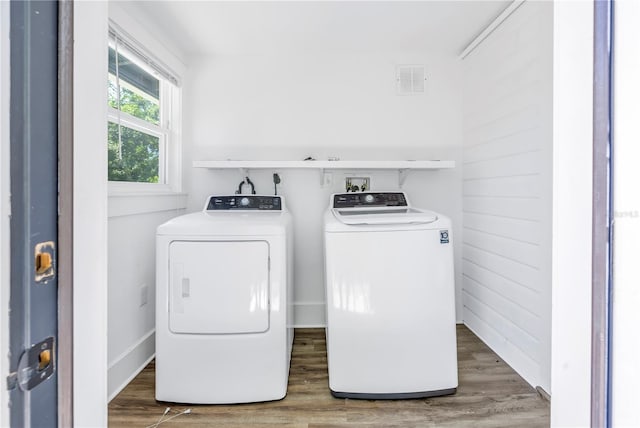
<point x="505" y="79"/>
<point x="507" y="173"/>
<point x="525" y="297"/>
<point x="521" y="163"/>
<point x="509" y="268"/>
<point x="526" y="185"/>
<point x="511" y="74"/>
<point x="518" y="316"/>
<point x="515" y="207"/>
<point x="520" y="142"/>
<point x="513" y="249"/>
<point x="516" y="228"/>
<point x="503" y="126"/>
<point x="504" y="106"/>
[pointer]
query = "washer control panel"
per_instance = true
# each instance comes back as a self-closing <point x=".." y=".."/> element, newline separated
<point x="369" y="199"/>
<point x="244" y="202"/>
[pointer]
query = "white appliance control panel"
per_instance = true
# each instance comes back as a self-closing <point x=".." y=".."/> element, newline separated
<point x="244" y="202"/>
<point x="369" y="199"/>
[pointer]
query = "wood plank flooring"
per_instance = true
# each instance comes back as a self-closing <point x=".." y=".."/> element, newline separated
<point x="490" y="394"/>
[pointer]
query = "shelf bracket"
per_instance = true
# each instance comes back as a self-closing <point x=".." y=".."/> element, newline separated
<point x="402" y="176"/>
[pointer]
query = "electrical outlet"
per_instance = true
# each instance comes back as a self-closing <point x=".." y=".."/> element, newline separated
<point x="144" y="294"/>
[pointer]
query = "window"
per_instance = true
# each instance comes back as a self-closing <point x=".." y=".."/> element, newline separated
<point x="142" y="107"/>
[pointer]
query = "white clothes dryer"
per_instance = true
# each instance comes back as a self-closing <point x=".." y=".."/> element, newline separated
<point x="391" y="328"/>
<point x="224" y="327"/>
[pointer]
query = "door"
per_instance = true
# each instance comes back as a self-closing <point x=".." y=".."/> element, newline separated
<point x="34" y="185"/>
<point x="219" y="287"/>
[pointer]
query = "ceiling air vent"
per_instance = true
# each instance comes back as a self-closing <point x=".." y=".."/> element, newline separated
<point x="410" y="79"/>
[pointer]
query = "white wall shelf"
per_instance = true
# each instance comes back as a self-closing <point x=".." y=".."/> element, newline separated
<point x="403" y="166"/>
<point x="317" y="164"/>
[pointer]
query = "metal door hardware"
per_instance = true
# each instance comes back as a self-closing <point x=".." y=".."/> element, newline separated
<point x="44" y="254"/>
<point x="36" y="365"/>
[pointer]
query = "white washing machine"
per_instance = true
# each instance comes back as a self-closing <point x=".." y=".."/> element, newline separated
<point x="391" y="328"/>
<point x="224" y="327"/>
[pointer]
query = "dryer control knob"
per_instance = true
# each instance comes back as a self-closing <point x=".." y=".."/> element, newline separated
<point x="244" y="202"/>
<point x="369" y="198"/>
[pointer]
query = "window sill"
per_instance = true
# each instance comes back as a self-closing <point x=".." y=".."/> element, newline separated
<point x="135" y="203"/>
<point x="117" y="188"/>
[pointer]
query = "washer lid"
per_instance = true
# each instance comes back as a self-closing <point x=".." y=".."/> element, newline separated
<point x="377" y="208"/>
<point x="383" y="215"/>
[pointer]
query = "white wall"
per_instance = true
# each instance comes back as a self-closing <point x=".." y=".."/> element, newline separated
<point x="320" y="105"/>
<point x="131" y="278"/>
<point x="133" y="219"/>
<point x="507" y="174"/>
<point x="572" y="198"/>
<point x="4" y="207"/>
<point x="626" y="205"/>
<point x="90" y="215"/>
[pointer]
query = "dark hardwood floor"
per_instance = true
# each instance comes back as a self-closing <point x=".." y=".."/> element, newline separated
<point x="490" y="394"/>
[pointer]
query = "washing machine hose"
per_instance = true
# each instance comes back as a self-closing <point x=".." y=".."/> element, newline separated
<point x="242" y="183"/>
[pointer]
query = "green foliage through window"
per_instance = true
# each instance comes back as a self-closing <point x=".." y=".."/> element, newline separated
<point x="137" y="159"/>
<point x="145" y="108"/>
<point x="133" y="154"/>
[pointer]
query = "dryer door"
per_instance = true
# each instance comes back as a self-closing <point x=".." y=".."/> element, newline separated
<point x="219" y="287"/>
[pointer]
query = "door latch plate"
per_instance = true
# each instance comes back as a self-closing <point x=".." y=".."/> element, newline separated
<point x="36" y="365"/>
<point x="44" y="260"/>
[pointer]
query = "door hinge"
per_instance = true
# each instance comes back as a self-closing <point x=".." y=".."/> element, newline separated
<point x="36" y="365"/>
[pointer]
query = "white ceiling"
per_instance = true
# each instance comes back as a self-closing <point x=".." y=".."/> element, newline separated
<point x="266" y="27"/>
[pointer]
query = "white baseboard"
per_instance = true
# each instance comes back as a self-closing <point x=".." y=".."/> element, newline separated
<point x="522" y="363"/>
<point x="131" y="362"/>
<point x="309" y="314"/>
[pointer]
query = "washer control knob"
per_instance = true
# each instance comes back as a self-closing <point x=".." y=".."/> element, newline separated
<point x="244" y="202"/>
<point x="369" y="198"/>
